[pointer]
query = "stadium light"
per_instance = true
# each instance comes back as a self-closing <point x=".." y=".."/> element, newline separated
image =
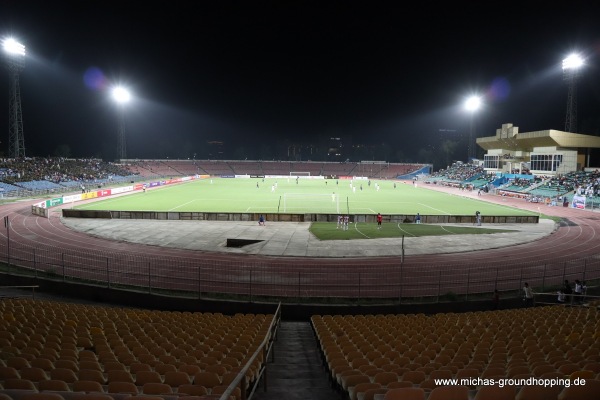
<point x="472" y="104"/>
<point x="121" y="96"/>
<point x="571" y="67"/>
<point x="11" y="46"/>
<point x="15" y="61"/>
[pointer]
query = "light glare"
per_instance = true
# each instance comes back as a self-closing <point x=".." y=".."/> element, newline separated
<point x="121" y="95"/>
<point x="473" y="103"/>
<point x="11" y="46"/>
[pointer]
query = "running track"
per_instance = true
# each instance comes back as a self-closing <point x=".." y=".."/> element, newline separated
<point x="558" y="255"/>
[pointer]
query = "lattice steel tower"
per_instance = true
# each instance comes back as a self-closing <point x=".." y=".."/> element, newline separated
<point x="472" y="104"/>
<point x="571" y="66"/>
<point x="121" y="96"/>
<point x="121" y="143"/>
<point x="14" y="53"/>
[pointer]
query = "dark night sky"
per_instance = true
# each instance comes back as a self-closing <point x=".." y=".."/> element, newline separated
<point x="254" y="73"/>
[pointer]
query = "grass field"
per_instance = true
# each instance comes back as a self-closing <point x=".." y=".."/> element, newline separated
<point x="306" y="196"/>
<point x="330" y="231"/>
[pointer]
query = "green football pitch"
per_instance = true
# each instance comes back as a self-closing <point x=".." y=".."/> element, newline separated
<point x="255" y="195"/>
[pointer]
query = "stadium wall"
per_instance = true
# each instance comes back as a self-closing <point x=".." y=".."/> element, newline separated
<point x="284" y="217"/>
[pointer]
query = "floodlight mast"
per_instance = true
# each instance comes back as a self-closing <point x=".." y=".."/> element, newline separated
<point x="121" y="96"/>
<point x="472" y="104"/>
<point x="571" y="67"/>
<point x="14" y="53"/>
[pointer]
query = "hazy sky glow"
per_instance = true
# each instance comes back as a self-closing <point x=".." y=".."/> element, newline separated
<point x="258" y="74"/>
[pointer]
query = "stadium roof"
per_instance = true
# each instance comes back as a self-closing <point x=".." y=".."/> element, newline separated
<point x="526" y="141"/>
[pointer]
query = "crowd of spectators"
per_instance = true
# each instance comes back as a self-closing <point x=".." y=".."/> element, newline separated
<point x="523" y="171"/>
<point x="537" y="189"/>
<point x="583" y="183"/>
<point x="522" y="182"/>
<point x="58" y="170"/>
<point x="459" y="172"/>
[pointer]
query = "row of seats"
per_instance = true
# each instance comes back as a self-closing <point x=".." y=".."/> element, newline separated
<point x="46" y="345"/>
<point x="140" y="382"/>
<point x="60" y="395"/>
<point x="64" y="368"/>
<point x="370" y="354"/>
<point x="583" y="392"/>
<point x="216" y="168"/>
<point x="155" y="389"/>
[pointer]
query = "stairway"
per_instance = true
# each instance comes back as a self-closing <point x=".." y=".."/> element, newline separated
<point x="297" y="371"/>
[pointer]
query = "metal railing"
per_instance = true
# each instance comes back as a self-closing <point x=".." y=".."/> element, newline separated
<point x="17" y="291"/>
<point x="266" y="348"/>
<point x="573" y="299"/>
<point x="298" y="281"/>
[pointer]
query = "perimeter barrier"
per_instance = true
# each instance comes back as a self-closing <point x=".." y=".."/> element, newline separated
<point x="305" y="281"/>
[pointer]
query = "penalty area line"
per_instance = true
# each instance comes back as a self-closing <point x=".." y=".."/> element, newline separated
<point x="181" y="205"/>
<point x="433" y="208"/>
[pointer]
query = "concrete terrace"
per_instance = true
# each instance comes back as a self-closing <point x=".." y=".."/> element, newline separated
<point x="293" y="239"/>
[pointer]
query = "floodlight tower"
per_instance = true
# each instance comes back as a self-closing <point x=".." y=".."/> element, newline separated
<point x="121" y="96"/>
<point x="15" y="61"/>
<point x="571" y="66"/>
<point x="472" y="104"/>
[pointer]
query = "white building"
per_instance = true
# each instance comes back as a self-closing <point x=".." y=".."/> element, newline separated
<point x="548" y="152"/>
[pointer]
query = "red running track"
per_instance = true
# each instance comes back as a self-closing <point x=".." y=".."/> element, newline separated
<point x="576" y="239"/>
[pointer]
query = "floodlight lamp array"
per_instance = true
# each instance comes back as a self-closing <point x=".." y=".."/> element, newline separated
<point x="573" y="62"/>
<point x="14" y="54"/>
<point x="12" y="47"/>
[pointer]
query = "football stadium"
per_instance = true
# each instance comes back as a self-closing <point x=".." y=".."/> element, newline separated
<point x="152" y="252"/>
<point x="325" y="266"/>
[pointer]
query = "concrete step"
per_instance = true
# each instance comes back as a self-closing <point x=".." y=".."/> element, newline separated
<point x="296" y="371"/>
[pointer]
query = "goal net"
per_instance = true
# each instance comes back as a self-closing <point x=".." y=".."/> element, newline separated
<point x="299" y="173"/>
<point x="305" y="202"/>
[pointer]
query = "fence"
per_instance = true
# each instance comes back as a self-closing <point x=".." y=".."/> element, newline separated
<point x="569" y="300"/>
<point x="295" y="280"/>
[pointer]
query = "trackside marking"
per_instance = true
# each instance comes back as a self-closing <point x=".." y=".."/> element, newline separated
<point x="454" y="233"/>
<point x="357" y="230"/>
<point x="404" y="230"/>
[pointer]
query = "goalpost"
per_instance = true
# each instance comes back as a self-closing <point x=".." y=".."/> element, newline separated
<point x="303" y="202"/>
